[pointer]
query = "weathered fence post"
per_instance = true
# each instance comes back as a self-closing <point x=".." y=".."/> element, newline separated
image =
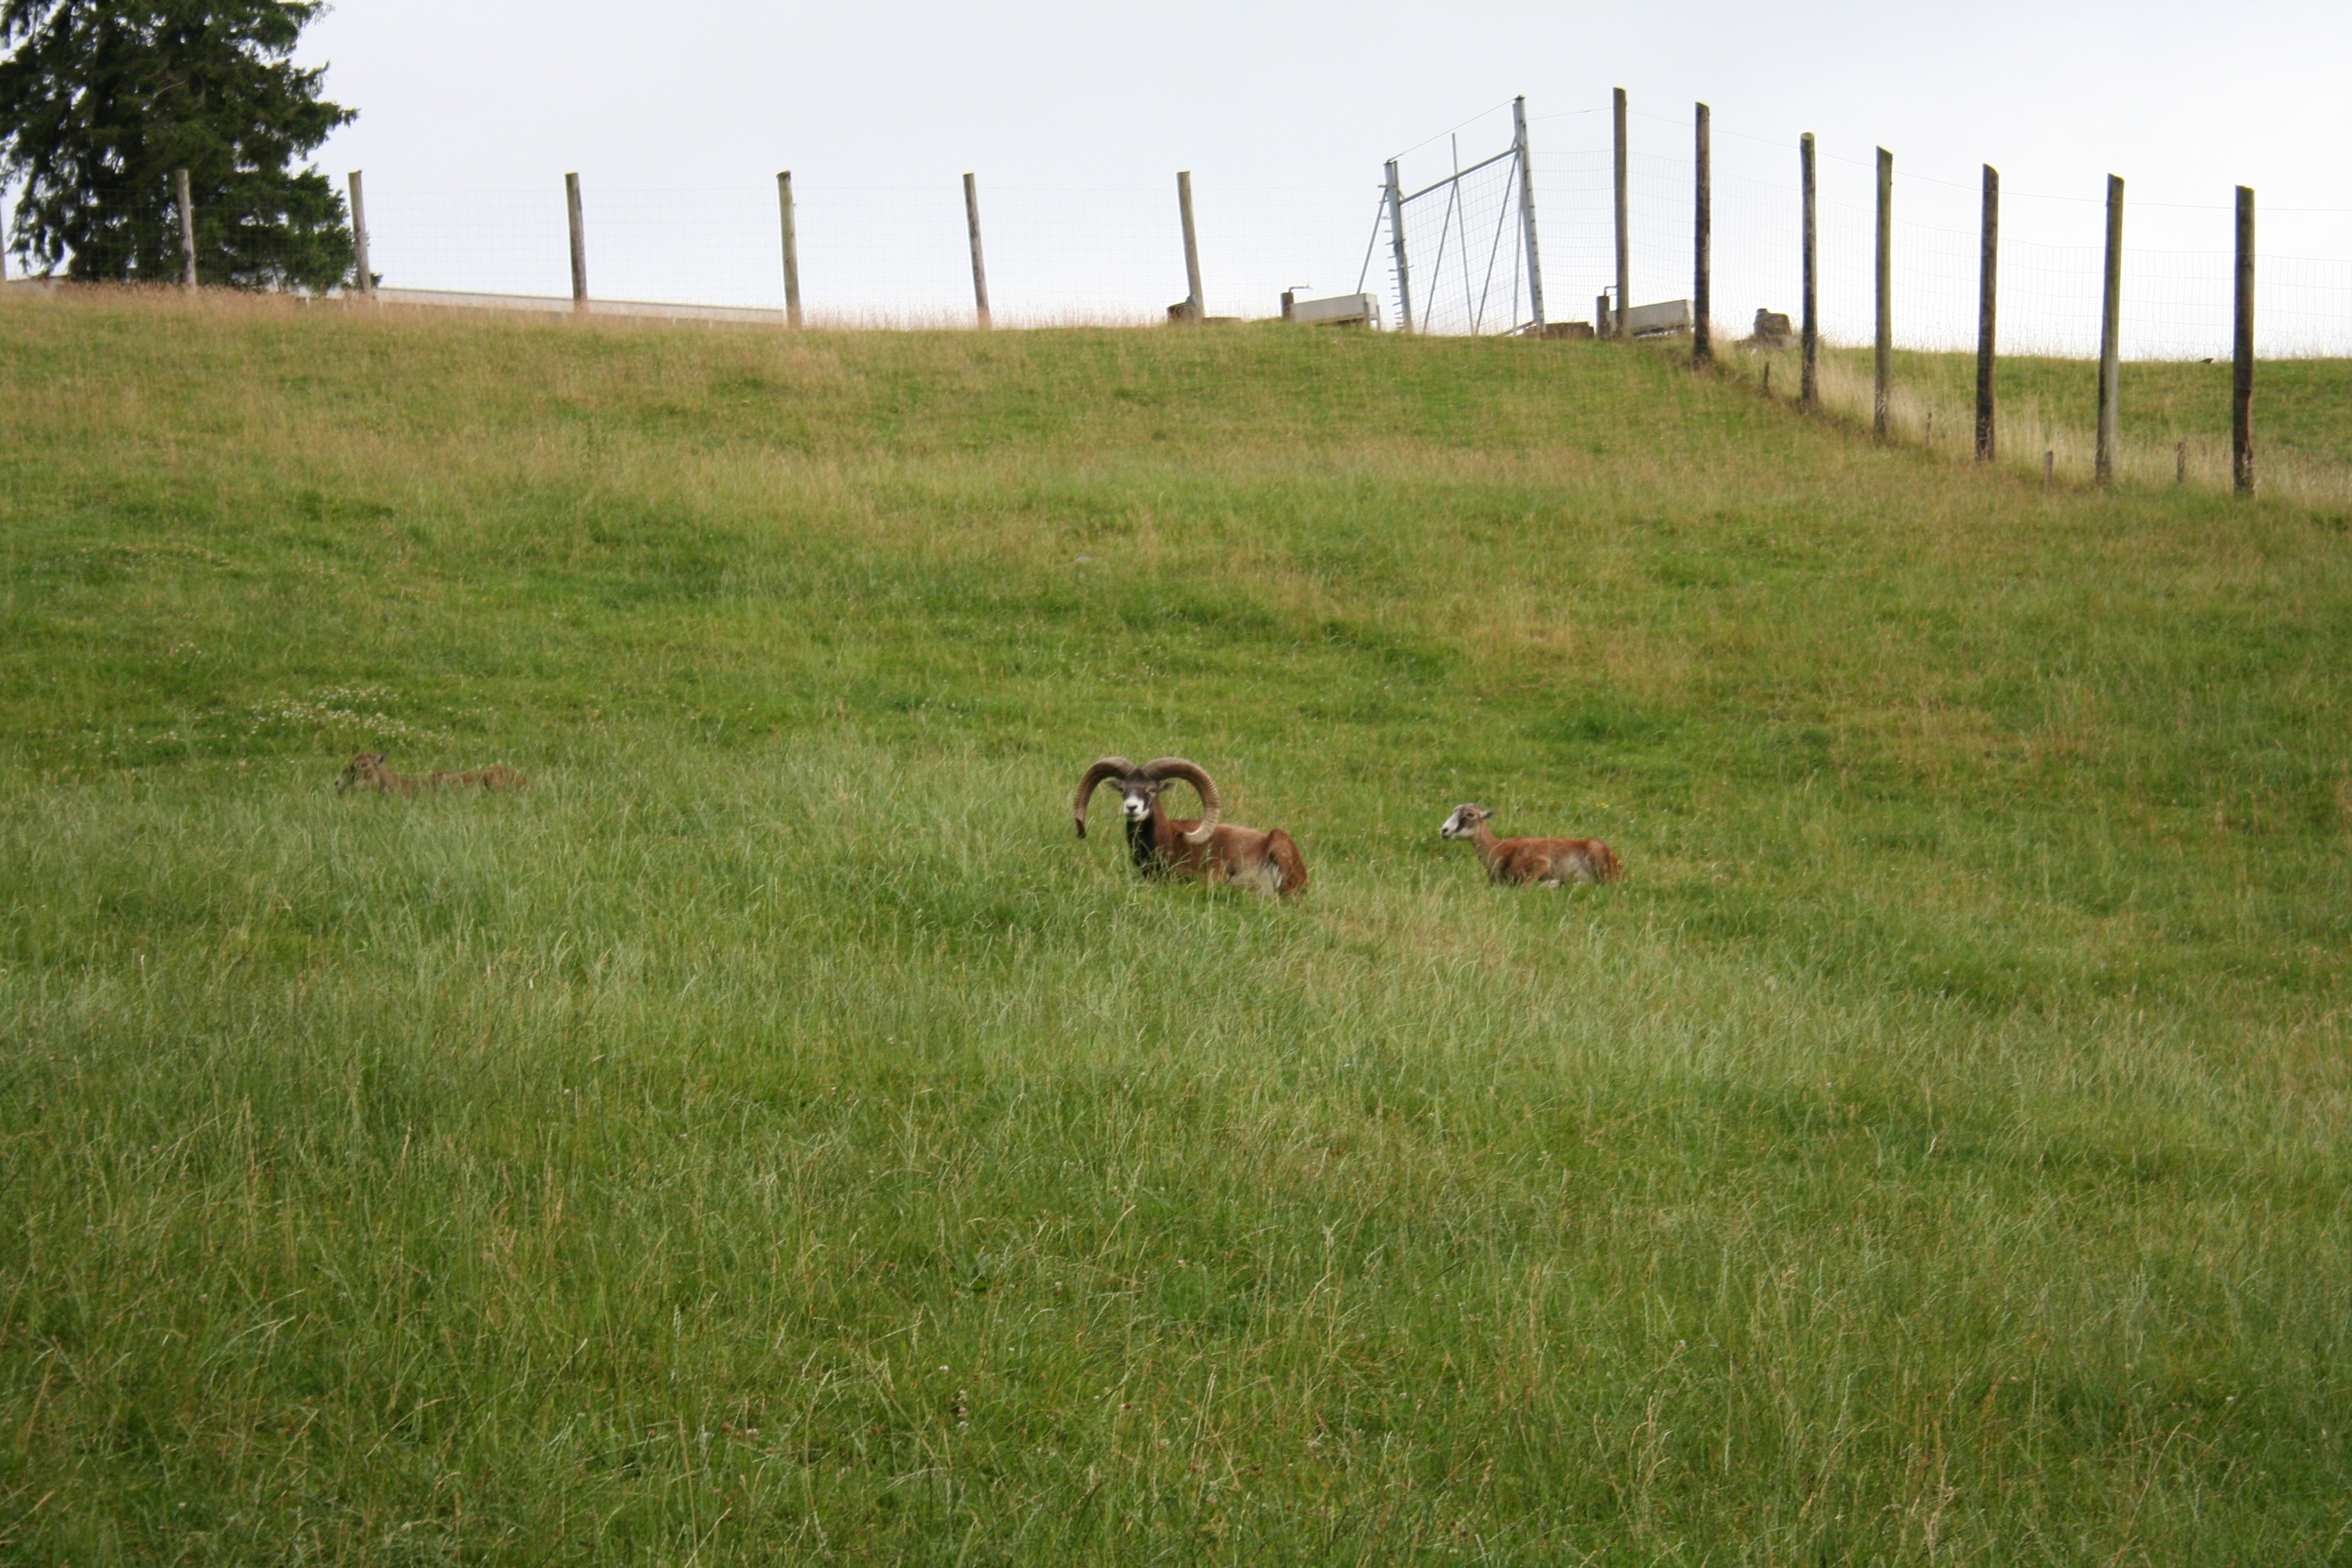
<point x="579" y="222"/>
<point x="1192" y="300"/>
<point x="1624" y="250"/>
<point x="1809" y="388"/>
<point x="1884" y="383"/>
<point x="361" y="275"/>
<point x="792" y="249"/>
<point x="979" y="267"/>
<point x="1396" y="244"/>
<point x="1527" y="210"/>
<point x="1988" y="262"/>
<point x="187" y="231"/>
<point x="1702" y="244"/>
<point x="2111" y="311"/>
<point x="2242" y="380"/>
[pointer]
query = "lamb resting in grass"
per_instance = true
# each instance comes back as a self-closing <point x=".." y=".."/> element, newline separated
<point x="1205" y="850"/>
<point x="370" y="771"/>
<point x="1539" y="862"/>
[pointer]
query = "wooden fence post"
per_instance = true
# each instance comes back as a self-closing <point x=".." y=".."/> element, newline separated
<point x="1809" y="385"/>
<point x="792" y="249"/>
<point x="2111" y="311"/>
<point x="1624" y="250"/>
<point x="361" y="276"/>
<point x="1884" y="385"/>
<point x="573" y="215"/>
<point x="187" y="231"/>
<point x="1396" y="244"/>
<point x="1702" y="243"/>
<point x="979" y="267"/>
<point x="2242" y="380"/>
<point x="1987" y="261"/>
<point x="1193" y="303"/>
<point x="1528" y="212"/>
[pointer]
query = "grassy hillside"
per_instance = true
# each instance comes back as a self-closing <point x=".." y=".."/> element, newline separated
<point x="775" y="1138"/>
<point x="2173" y="416"/>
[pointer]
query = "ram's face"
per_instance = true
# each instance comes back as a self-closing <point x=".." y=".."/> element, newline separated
<point x="1463" y="823"/>
<point x="1135" y="798"/>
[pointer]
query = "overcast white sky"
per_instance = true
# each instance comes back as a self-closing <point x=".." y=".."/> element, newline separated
<point x="2184" y="101"/>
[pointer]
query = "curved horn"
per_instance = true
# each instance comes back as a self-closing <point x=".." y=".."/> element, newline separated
<point x="1193" y="775"/>
<point x="1109" y="768"/>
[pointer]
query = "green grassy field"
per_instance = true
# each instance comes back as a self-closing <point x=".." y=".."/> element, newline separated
<point x="2172" y="415"/>
<point x="775" y="1138"/>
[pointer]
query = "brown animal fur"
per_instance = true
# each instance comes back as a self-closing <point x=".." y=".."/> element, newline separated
<point x="1536" y="862"/>
<point x="370" y="771"/>
<point x="1202" y="849"/>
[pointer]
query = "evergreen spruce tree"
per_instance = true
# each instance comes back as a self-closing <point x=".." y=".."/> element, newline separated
<point x="102" y="99"/>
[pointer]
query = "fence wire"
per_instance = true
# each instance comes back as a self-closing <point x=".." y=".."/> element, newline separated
<point x="880" y="256"/>
<point x="887" y="257"/>
<point x="1466" y="253"/>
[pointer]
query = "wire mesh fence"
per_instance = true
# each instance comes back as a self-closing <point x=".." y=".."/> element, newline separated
<point x="1467" y="253"/>
<point x="886" y="257"/>
<point x="2176" y="299"/>
<point x="875" y="256"/>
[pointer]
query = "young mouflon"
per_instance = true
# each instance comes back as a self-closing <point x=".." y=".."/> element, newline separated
<point x="1206" y="850"/>
<point x="1536" y="862"/>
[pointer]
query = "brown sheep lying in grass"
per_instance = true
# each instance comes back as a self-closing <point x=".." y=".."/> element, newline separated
<point x="1206" y="850"/>
<point x="369" y="771"/>
<point x="1542" y="862"/>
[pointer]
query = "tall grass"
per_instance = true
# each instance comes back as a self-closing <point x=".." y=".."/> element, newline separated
<point x="775" y="1138"/>
<point x="2174" y="416"/>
